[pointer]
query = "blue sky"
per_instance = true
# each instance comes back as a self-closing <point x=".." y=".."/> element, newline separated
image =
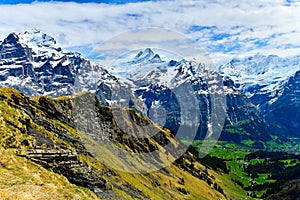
<point x="221" y="28"/>
<point x="78" y="1"/>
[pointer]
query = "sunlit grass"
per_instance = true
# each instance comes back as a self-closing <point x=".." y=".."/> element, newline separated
<point x="22" y="179"/>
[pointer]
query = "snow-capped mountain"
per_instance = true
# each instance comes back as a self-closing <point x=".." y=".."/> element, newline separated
<point x="271" y="82"/>
<point x="183" y="93"/>
<point x="145" y="57"/>
<point x="139" y="66"/>
<point x="269" y="72"/>
<point x="32" y="62"/>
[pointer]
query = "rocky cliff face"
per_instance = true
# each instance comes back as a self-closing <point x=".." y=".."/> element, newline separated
<point x="54" y="134"/>
<point x="186" y="95"/>
<point x="283" y="114"/>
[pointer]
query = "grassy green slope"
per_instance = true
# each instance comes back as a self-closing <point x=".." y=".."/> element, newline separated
<point x="22" y="179"/>
<point x="49" y="119"/>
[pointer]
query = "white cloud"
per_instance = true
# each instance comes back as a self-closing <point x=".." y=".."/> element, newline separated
<point x="247" y="23"/>
<point x="155" y="38"/>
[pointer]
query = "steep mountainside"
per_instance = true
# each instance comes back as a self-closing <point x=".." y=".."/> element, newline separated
<point x="272" y="83"/>
<point x="53" y="134"/>
<point x="34" y="64"/>
<point x="289" y="191"/>
<point x="186" y="94"/>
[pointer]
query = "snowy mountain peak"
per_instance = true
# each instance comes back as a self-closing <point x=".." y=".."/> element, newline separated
<point x="11" y="39"/>
<point x="260" y="69"/>
<point x="33" y="63"/>
<point x="263" y="78"/>
<point x="146" y="53"/>
<point x="253" y="65"/>
<point x="148" y="66"/>
<point x="146" y="56"/>
<point x="29" y="46"/>
<point x="36" y="38"/>
<point x="156" y="59"/>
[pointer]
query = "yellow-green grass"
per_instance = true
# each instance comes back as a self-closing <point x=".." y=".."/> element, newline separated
<point x="155" y="185"/>
<point x="12" y="129"/>
<point x="232" y="190"/>
<point x="22" y="179"/>
<point x="168" y="186"/>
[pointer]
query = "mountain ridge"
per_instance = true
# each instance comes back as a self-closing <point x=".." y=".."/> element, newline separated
<point x="185" y="99"/>
<point x="157" y="85"/>
<point x="151" y="88"/>
<point x="43" y="127"/>
<point x="270" y="82"/>
<point x="33" y="63"/>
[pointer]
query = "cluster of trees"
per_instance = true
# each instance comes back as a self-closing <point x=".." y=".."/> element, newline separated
<point x="273" y="164"/>
<point x="272" y="156"/>
<point x="214" y="163"/>
<point x="264" y="168"/>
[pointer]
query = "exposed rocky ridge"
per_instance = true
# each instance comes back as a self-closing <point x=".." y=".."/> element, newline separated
<point x="50" y="122"/>
<point x="23" y="179"/>
<point x="66" y="162"/>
